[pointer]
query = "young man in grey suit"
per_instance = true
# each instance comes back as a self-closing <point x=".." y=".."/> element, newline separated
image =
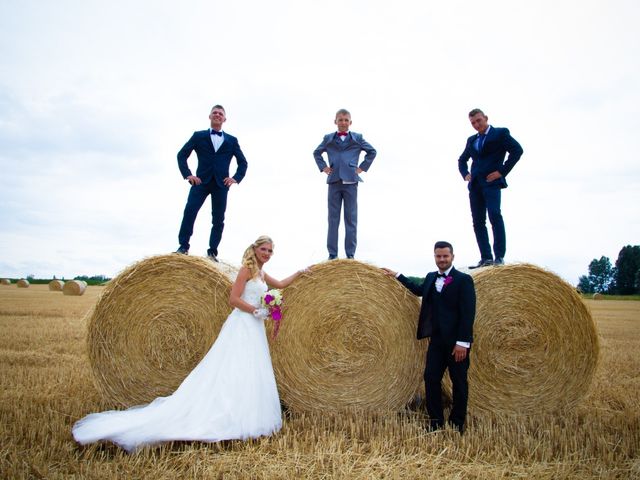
<point x="343" y="151"/>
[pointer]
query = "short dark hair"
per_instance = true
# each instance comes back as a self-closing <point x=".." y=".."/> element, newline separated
<point x="476" y="111"/>
<point x="220" y="107"/>
<point x="443" y="244"/>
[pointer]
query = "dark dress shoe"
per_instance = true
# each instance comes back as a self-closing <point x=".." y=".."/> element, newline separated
<point x="182" y="251"/>
<point x="332" y="257"/>
<point x="498" y="261"/>
<point x="487" y="262"/>
<point x="350" y="257"/>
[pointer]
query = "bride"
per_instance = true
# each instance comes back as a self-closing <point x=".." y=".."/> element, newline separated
<point x="230" y="394"/>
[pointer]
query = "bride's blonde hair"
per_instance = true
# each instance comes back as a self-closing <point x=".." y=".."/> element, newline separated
<point x="249" y="259"/>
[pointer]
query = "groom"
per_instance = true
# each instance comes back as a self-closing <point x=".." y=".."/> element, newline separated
<point x="446" y="316"/>
<point x="214" y="149"/>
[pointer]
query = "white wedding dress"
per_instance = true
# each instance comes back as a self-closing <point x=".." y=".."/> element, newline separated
<point x="230" y="394"/>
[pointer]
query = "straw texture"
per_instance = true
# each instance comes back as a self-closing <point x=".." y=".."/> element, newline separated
<point x="56" y="285"/>
<point x="153" y="323"/>
<point x="5" y="281"/>
<point x="535" y="343"/>
<point x="73" y="287"/>
<point x="347" y="340"/>
<point x="22" y="283"/>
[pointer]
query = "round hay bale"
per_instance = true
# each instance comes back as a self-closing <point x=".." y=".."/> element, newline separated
<point x="74" y="287"/>
<point x="5" y="281"/>
<point x="22" y="283"/>
<point x="597" y="296"/>
<point x="56" y="285"/>
<point x="347" y="340"/>
<point x="535" y="343"/>
<point x="229" y="269"/>
<point x="153" y="323"/>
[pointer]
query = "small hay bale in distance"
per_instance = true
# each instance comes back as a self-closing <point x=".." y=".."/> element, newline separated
<point x="74" y="287"/>
<point x="535" y="344"/>
<point x="56" y="285"/>
<point x="23" y="283"/>
<point x="597" y="296"/>
<point x="153" y="323"/>
<point x="347" y="340"/>
<point x="5" y="281"/>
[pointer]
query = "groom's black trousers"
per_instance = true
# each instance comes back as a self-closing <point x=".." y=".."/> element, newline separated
<point x="439" y="359"/>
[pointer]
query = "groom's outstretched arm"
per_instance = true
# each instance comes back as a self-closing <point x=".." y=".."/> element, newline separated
<point x="409" y="284"/>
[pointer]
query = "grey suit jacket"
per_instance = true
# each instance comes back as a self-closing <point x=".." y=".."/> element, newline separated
<point x="343" y="156"/>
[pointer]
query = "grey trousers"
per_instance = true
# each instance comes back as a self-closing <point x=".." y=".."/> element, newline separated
<point x="340" y="193"/>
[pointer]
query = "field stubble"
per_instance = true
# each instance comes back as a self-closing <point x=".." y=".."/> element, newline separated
<point x="46" y="385"/>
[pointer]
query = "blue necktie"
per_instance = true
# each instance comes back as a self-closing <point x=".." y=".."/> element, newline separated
<point x="481" y="137"/>
<point x="213" y="132"/>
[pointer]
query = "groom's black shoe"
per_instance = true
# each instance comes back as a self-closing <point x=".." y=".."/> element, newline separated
<point x="498" y="261"/>
<point x="182" y="251"/>
<point x="212" y="256"/>
<point x="350" y="257"/>
<point x="332" y="257"/>
<point x="485" y="262"/>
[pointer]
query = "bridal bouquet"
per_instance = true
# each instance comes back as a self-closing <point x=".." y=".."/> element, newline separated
<point x="272" y="301"/>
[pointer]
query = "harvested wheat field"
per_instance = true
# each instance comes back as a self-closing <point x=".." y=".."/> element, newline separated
<point x="47" y="384"/>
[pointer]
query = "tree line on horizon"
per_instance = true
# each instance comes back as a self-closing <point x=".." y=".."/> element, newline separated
<point x="621" y="279"/>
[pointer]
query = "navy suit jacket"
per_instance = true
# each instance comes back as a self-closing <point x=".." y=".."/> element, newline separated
<point x="457" y="307"/>
<point x="490" y="158"/>
<point x="212" y="165"/>
<point x="344" y="156"/>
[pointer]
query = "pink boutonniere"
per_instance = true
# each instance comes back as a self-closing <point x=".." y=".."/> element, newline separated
<point x="447" y="280"/>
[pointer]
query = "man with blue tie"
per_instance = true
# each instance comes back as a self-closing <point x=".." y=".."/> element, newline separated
<point x="214" y="149"/>
<point x="488" y="149"/>
<point x="343" y="150"/>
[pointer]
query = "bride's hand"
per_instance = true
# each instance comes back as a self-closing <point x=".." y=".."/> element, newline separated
<point x="261" y="313"/>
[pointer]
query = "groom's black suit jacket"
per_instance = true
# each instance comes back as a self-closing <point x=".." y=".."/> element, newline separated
<point x="452" y="313"/>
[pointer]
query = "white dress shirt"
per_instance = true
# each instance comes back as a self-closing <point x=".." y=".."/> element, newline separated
<point x="216" y="139"/>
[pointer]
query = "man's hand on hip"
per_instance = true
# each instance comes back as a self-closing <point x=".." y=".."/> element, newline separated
<point x="193" y="180"/>
<point x="229" y="181"/>
<point x="493" y="176"/>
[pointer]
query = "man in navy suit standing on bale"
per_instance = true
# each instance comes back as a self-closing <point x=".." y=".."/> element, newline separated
<point x="214" y="149"/>
<point x="446" y="317"/>
<point x="343" y="150"/>
<point x="488" y="149"/>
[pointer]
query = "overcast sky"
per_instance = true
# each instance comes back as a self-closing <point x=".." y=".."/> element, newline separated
<point x="96" y="99"/>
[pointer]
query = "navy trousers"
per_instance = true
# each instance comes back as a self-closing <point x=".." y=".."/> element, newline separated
<point x="439" y="359"/>
<point x="197" y="195"/>
<point x="485" y="200"/>
<point x="340" y="193"/>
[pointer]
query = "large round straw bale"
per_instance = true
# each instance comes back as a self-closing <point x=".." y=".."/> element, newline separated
<point x="597" y="296"/>
<point x="5" y="281"/>
<point x="347" y="340"/>
<point x="22" y="283"/>
<point x="56" y="285"/>
<point x="153" y="323"/>
<point x="74" y="287"/>
<point x="535" y="343"/>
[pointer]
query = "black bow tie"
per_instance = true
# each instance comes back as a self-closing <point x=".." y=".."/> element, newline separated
<point x="441" y="275"/>
<point x="213" y="132"/>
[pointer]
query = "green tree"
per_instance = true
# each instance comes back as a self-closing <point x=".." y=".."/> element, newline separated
<point x="627" y="268"/>
<point x="600" y="277"/>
